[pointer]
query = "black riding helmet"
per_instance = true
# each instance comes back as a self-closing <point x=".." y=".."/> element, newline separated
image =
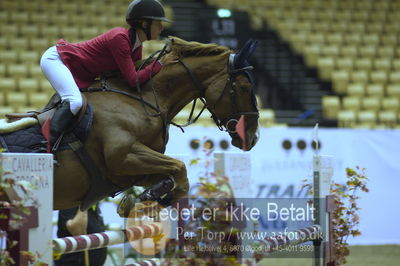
<point x="146" y="9"/>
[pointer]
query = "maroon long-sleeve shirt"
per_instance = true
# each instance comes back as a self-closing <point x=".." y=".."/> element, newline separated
<point x="109" y="51"/>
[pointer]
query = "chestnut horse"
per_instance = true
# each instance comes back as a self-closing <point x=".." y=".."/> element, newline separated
<point x="128" y="138"/>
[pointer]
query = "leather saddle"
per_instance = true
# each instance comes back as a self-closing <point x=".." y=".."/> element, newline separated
<point x="48" y="111"/>
<point x="101" y="187"/>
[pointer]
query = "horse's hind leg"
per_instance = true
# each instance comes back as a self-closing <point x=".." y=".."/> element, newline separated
<point x="141" y="160"/>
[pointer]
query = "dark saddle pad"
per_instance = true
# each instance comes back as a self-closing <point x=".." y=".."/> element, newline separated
<point x="31" y="140"/>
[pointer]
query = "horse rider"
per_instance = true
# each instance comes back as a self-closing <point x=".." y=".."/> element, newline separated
<point x="70" y="66"/>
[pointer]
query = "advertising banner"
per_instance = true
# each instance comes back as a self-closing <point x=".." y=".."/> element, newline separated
<point x="283" y="157"/>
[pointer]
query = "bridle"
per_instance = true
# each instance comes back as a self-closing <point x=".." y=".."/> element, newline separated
<point x="226" y="124"/>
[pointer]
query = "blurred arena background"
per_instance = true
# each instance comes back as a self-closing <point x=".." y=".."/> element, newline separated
<point x="335" y="62"/>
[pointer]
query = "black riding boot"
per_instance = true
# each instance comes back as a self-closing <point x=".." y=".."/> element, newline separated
<point x="59" y="121"/>
<point x="161" y="192"/>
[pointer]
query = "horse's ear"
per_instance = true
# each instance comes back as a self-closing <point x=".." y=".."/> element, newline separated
<point x="245" y="52"/>
<point x="252" y="48"/>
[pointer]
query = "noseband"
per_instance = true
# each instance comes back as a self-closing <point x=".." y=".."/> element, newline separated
<point x="230" y="122"/>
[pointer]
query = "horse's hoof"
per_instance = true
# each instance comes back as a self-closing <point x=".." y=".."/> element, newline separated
<point x="159" y="191"/>
<point x="125" y="205"/>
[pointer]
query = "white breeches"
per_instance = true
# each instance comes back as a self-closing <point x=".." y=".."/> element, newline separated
<point x="61" y="79"/>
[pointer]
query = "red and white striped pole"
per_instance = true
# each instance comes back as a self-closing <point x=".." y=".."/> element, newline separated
<point x="150" y="262"/>
<point x="74" y="244"/>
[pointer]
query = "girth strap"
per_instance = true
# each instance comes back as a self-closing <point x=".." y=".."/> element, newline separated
<point x="100" y="186"/>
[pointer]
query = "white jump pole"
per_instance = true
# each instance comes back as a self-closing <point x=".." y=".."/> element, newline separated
<point x="74" y="244"/>
<point x="237" y="167"/>
<point x="322" y="176"/>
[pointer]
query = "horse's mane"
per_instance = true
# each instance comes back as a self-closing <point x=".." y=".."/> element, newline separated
<point x="186" y="49"/>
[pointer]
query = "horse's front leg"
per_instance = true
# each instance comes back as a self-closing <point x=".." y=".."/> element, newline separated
<point x="141" y="160"/>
